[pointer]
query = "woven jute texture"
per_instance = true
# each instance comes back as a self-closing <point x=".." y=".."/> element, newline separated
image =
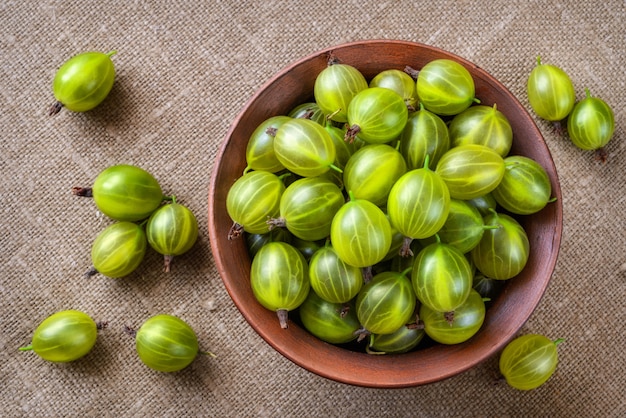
<point x="185" y="69"/>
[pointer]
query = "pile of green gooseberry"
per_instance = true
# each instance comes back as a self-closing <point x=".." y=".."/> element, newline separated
<point x="590" y="121"/>
<point x="143" y="217"/>
<point x="385" y="210"/>
<point x="133" y="198"/>
<point x="164" y="342"/>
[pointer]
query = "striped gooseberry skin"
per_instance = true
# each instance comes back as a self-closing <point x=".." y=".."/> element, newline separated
<point x="307" y="207"/>
<point x="525" y="187"/>
<point x="418" y="203"/>
<point x="84" y="81"/>
<point x="372" y="171"/>
<point x="441" y="277"/>
<point x="331" y="278"/>
<point x="550" y="92"/>
<point x="172" y="230"/>
<point x="253" y="198"/>
<point x="398" y="81"/>
<point x="482" y="125"/>
<point x="470" y="170"/>
<point x="591" y="123"/>
<point x="279" y="278"/>
<point x="445" y="87"/>
<point x="360" y="233"/>
<point x="64" y="336"/>
<point x="166" y="343"/>
<point x="425" y="134"/>
<point x="377" y="114"/>
<point x="401" y="341"/>
<point x="529" y="361"/>
<point x="386" y="303"/>
<point x="467" y="320"/>
<point x="335" y="323"/>
<point x="502" y="252"/>
<point x="119" y="249"/>
<point x="126" y="193"/>
<point x="304" y="147"/>
<point x="464" y="226"/>
<point x="260" y="153"/>
<point x="334" y="88"/>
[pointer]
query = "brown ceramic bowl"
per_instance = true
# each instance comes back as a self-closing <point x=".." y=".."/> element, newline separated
<point x="505" y="316"/>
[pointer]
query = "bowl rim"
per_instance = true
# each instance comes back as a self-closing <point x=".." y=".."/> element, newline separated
<point x="385" y="371"/>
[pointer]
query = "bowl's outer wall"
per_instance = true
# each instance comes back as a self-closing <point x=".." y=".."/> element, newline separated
<point x="506" y="315"/>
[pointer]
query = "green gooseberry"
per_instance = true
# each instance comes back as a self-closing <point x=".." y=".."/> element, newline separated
<point x="64" y="336"/>
<point x="360" y="233"/>
<point x="332" y="322"/>
<point x="445" y="87"/>
<point x="125" y="192"/>
<point x="377" y="115"/>
<point x="591" y="123"/>
<point x="334" y="88"/>
<point x="83" y="82"/>
<point x="470" y="170"/>
<point x="251" y="199"/>
<point x="166" y="343"/>
<point x="118" y="250"/>
<point x="386" y="303"/>
<point x="550" y="92"/>
<point x="260" y="153"/>
<point x="483" y="125"/>
<point x="525" y="187"/>
<point x="305" y="148"/>
<point x="425" y="134"/>
<point x="398" y="81"/>
<point x="172" y="230"/>
<point x="503" y="252"/>
<point x="372" y="171"/>
<point x="279" y="277"/>
<point x="331" y="278"/>
<point x="441" y="277"/>
<point x="529" y="361"/>
<point x="457" y="326"/>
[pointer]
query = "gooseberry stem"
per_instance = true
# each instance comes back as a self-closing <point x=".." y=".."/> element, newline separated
<point x="167" y="262"/>
<point x="82" y="191"/>
<point x="235" y="231"/>
<point x="283" y="317"/>
<point x="406" y="271"/>
<point x="55" y="108"/>
<point x="558" y="341"/>
<point x="413" y="73"/>
<point x="334" y="167"/>
<point x="92" y="271"/>
<point x="405" y="250"/>
<point x="207" y="353"/>
<point x="276" y="222"/>
<point x="351" y="133"/>
<point x="367" y="274"/>
<point x="26" y="348"/>
<point x="361" y="334"/>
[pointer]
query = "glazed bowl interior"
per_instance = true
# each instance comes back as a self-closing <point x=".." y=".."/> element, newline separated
<point x="505" y="315"/>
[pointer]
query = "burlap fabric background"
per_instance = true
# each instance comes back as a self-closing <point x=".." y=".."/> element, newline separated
<point x="185" y="70"/>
